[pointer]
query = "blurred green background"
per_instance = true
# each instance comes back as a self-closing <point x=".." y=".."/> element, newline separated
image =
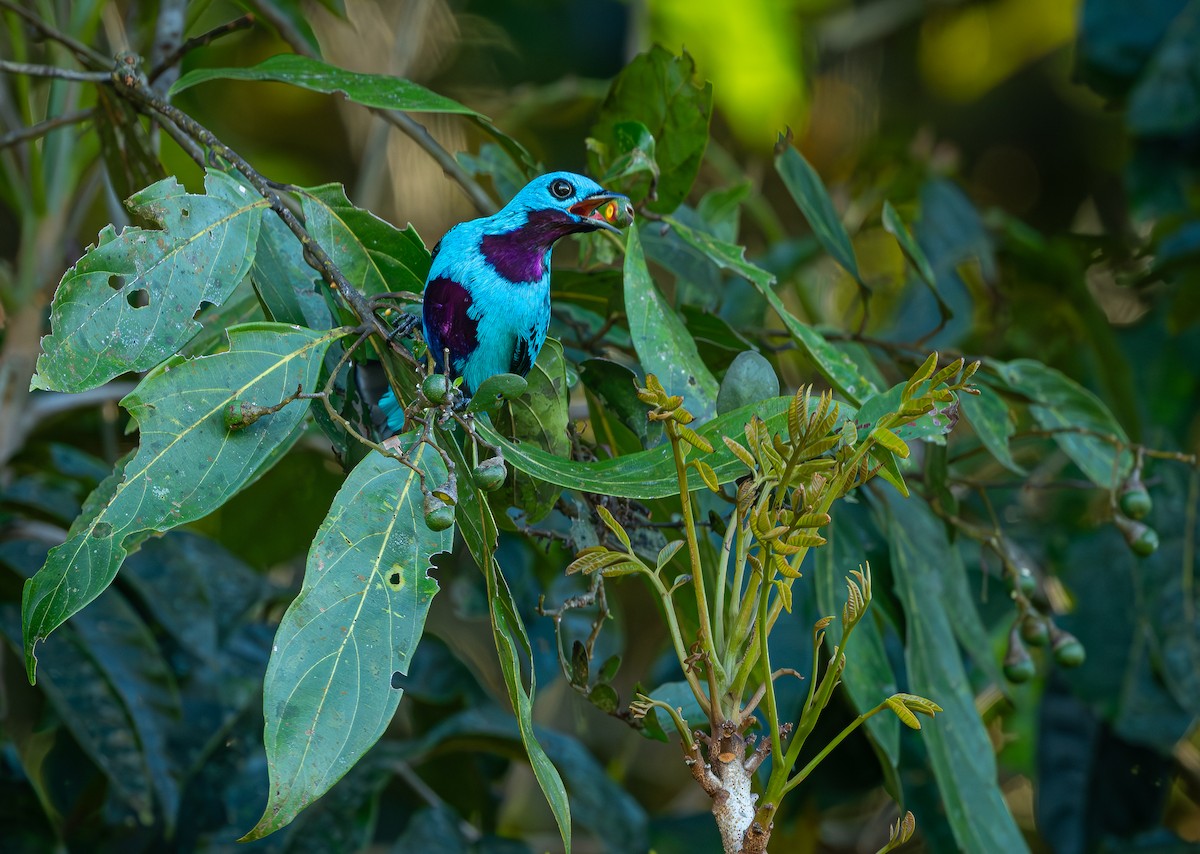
<point x="1052" y="146"/>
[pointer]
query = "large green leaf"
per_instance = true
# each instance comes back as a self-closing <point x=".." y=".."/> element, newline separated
<point x="287" y="286"/>
<point x="1166" y="99"/>
<point x="913" y="252"/>
<point x="346" y="641"/>
<point x="960" y="751"/>
<point x="188" y="464"/>
<point x="656" y="90"/>
<point x="868" y="677"/>
<point x="663" y="344"/>
<point x="647" y="474"/>
<point x="373" y="254"/>
<point x="803" y="182"/>
<point x="538" y="418"/>
<point x="370" y="90"/>
<point x="111" y="687"/>
<point x="478" y="527"/>
<point x="128" y="303"/>
<point x="836" y="367"/>
<point x="989" y="416"/>
<point x="1062" y="405"/>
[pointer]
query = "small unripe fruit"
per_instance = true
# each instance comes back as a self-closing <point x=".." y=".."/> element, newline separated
<point x="436" y="388"/>
<point x="1142" y="539"/>
<point x="1067" y="649"/>
<point x="490" y="474"/>
<point x="1025" y="582"/>
<point x="1034" y="630"/>
<point x="1019" y="671"/>
<point x="1135" y="503"/>
<point x="1018" y="664"/>
<point x="438" y="514"/>
<point x="1070" y="654"/>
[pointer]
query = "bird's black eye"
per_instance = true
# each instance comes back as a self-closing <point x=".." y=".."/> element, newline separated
<point x="561" y="189"/>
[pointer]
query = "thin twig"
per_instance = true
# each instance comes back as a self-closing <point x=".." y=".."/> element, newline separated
<point x="133" y="87"/>
<point x="409" y="126"/>
<point x="86" y="55"/>
<point x="42" y="128"/>
<point x="32" y="70"/>
<point x="417" y="132"/>
<point x="242" y="23"/>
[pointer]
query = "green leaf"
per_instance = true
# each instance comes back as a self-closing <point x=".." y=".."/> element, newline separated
<point x="662" y="342"/>
<point x="287" y="286"/>
<point x="94" y="712"/>
<point x="750" y="378"/>
<point x="931" y="427"/>
<point x="648" y="474"/>
<point x="369" y="90"/>
<point x="836" y="367"/>
<point x="288" y="19"/>
<point x="913" y="252"/>
<point x="188" y="464"/>
<point x="656" y="90"/>
<point x="629" y="152"/>
<point x="1061" y="404"/>
<point x="537" y="419"/>
<point x="495" y="390"/>
<point x="803" y="182"/>
<point x="478" y="527"/>
<point x="868" y="676"/>
<point x="614" y="387"/>
<point x="679" y="696"/>
<point x="240" y="307"/>
<point x="373" y="254"/>
<point x="1166" y="99"/>
<point x="989" y="417"/>
<point x="960" y="750"/>
<point x="346" y="641"/>
<point x="128" y="303"/>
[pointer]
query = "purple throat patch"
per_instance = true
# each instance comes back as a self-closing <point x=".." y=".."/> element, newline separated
<point x="520" y="255"/>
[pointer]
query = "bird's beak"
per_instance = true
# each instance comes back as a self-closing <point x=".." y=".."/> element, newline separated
<point x="607" y="210"/>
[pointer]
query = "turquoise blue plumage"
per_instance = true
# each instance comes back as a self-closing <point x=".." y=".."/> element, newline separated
<point x="487" y="296"/>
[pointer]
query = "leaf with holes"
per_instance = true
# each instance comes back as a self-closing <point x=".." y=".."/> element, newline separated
<point x="129" y="302"/>
<point x="345" y="643"/>
<point x="188" y="464"/>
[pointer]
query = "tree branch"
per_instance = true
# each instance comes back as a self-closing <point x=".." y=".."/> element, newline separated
<point x="54" y="71"/>
<point x="42" y="128"/>
<point x="132" y="86"/>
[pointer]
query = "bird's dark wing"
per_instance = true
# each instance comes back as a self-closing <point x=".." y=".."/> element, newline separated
<point x="447" y="324"/>
<point x="522" y="357"/>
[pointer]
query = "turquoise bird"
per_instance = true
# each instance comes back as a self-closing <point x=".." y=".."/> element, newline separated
<point x="487" y="297"/>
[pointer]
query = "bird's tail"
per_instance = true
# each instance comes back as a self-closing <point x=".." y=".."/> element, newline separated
<point x="390" y="406"/>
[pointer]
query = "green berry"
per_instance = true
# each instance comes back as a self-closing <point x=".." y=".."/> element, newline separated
<point x="1018" y="664"/>
<point x="1026" y="582"/>
<point x="1020" y="671"/>
<point x="436" y="388"/>
<point x="1142" y="539"/>
<point x="1068" y="651"/>
<point x="438" y="514"/>
<point x="1135" y="503"/>
<point x="490" y="474"/>
<point x="1034" y="630"/>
